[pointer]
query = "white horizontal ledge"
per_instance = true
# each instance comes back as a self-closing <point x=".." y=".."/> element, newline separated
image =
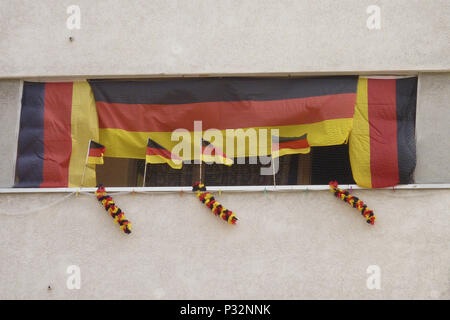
<point x="221" y="188"/>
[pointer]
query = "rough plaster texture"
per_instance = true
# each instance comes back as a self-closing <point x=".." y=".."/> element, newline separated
<point x="10" y="95"/>
<point x="286" y="246"/>
<point x="121" y="37"/>
<point x="433" y="129"/>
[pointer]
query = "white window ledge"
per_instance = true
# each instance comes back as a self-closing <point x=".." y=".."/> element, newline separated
<point x="221" y="188"/>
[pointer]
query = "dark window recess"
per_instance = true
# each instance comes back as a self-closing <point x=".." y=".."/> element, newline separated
<point x="320" y="166"/>
<point x="162" y="175"/>
<point x="331" y="163"/>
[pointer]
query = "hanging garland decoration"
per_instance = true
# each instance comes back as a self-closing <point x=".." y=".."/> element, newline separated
<point x="353" y="201"/>
<point x="211" y="203"/>
<point x="115" y="212"/>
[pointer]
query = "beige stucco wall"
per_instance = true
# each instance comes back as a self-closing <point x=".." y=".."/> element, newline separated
<point x="10" y="103"/>
<point x="285" y="246"/>
<point x="433" y="129"/>
<point x="121" y="37"/>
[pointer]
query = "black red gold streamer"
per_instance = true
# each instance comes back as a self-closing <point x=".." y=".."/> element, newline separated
<point x="115" y="212"/>
<point x="353" y="201"/>
<point x="211" y="203"/>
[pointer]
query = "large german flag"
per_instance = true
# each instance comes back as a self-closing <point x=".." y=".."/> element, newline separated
<point x="131" y="111"/>
<point x="289" y="145"/>
<point x="382" y="142"/>
<point x="155" y="153"/>
<point x="56" y="123"/>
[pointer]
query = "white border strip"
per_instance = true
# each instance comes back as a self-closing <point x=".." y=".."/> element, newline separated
<point x="222" y="188"/>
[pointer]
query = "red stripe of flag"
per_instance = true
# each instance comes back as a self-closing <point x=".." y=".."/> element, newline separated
<point x="214" y="151"/>
<point x="225" y="115"/>
<point x="97" y="152"/>
<point x="161" y="152"/>
<point x="57" y="134"/>
<point x="298" y="144"/>
<point x="383" y="132"/>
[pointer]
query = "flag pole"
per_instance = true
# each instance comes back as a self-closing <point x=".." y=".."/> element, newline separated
<point x="85" y="163"/>
<point x="273" y="170"/>
<point x="200" y="178"/>
<point x="145" y="166"/>
<point x="145" y="174"/>
<point x="273" y="167"/>
<point x="201" y="154"/>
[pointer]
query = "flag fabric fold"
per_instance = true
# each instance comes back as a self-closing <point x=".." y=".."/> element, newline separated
<point x="382" y="143"/>
<point x="289" y="145"/>
<point x="56" y="122"/>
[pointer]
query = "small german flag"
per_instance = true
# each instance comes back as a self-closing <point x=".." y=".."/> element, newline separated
<point x="156" y="153"/>
<point x="211" y="153"/>
<point x="96" y="151"/>
<point x="289" y="145"/>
